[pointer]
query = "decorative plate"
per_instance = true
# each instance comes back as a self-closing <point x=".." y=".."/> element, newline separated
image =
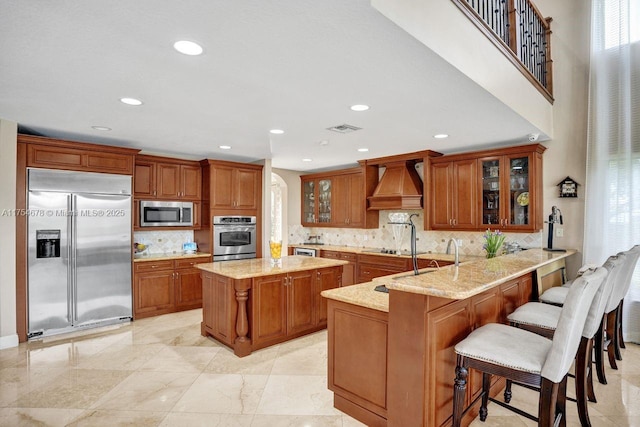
<point x="523" y="199"/>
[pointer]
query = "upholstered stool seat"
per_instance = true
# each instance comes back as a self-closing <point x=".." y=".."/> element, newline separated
<point x="555" y="295"/>
<point x="537" y="315"/>
<point x="526" y="357"/>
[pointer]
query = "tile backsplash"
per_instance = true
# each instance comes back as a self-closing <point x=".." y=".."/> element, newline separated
<point x="426" y="241"/>
<point x="163" y="241"/>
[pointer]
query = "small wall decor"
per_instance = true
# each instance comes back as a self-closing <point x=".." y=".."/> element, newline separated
<point x="568" y="187"/>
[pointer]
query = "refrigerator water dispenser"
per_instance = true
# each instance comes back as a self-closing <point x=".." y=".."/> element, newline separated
<point x="48" y="243"/>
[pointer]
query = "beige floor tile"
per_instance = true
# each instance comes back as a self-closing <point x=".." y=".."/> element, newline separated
<point x="181" y="359"/>
<point x="297" y="395"/>
<point x="185" y="419"/>
<point x="347" y="421"/>
<point x="223" y="394"/>
<point x="147" y="391"/>
<point x="77" y="388"/>
<point x="297" y="421"/>
<point x="101" y="418"/>
<point x="28" y="417"/>
<point x="16" y="382"/>
<point x="123" y="357"/>
<point x="309" y="360"/>
<point x="257" y="363"/>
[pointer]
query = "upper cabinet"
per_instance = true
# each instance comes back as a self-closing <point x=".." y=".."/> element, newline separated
<point x="164" y="178"/>
<point x="453" y="194"/>
<point x="338" y="199"/>
<point x="489" y="189"/>
<point x="49" y="153"/>
<point x="235" y="186"/>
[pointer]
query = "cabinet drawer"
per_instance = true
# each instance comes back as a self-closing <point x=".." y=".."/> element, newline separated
<point x="153" y="266"/>
<point x="348" y="257"/>
<point x="190" y="262"/>
<point x="330" y="254"/>
<point x="390" y="262"/>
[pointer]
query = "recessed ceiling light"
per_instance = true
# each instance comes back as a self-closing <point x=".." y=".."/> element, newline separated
<point x="441" y="136"/>
<point x="324" y="142"/>
<point x="359" y="107"/>
<point x="363" y="150"/>
<point x="306" y="160"/>
<point x="187" y="47"/>
<point x="277" y="131"/>
<point x="130" y="101"/>
<point x="225" y="147"/>
<point x="102" y="128"/>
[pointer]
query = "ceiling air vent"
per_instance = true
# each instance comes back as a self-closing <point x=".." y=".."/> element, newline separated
<point x="345" y="128"/>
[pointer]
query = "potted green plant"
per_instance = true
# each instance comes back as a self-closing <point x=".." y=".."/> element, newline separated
<point x="493" y="241"/>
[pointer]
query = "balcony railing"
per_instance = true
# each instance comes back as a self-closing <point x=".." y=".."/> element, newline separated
<point x="520" y="31"/>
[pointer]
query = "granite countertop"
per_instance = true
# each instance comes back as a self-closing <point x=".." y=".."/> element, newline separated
<point x="362" y="294"/>
<point x="452" y="282"/>
<point x="258" y="267"/>
<point x="167" y="256"/>
<point x="369" y="251"/>
<point x="473" y="277"/>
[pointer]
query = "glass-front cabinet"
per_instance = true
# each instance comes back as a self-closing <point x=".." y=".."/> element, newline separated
<point x="316" y="201"/>
<point x="507" y="192"/>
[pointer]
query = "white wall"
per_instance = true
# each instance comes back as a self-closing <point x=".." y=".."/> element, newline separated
<point x="8" y="147"/>
<point x="442" y="27"/>
<point x="294" y="191"/>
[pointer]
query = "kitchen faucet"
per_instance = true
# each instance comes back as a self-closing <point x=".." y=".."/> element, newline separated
<point x="455" y="245"/>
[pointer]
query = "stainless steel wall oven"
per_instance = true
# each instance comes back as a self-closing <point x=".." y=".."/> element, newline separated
<point x="234" y="237"/>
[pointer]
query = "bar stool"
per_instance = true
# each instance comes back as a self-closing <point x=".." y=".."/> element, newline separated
<point x="528" y="358"/>
<point x="543" y="319"/>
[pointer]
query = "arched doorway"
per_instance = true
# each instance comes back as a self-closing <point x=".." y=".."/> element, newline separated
<point x="278" y="209"/>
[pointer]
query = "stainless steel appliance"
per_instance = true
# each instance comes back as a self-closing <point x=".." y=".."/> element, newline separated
<point x="155" y="213"/>
<point x="234" y="237"/>
<point x="79" y="261"/>
<point x="305" y="252"/>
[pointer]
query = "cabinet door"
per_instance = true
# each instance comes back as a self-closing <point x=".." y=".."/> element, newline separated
<point x="219" y="307"/>
<point x="464" y="194"/>
<point x="441" y="216"/>
<point x="269" y="308"/>
<point x="154" y="293"/>
<point x="191" y="182"/>
<point x="168" y="181"/>
<point x="491" y="200"/>
<point x="144" y="185"/>
<point x="221" y="181"/>
<point x="520" y="195"/>
<point x="326" y="278"/>
<point x="356" y="204"/>
<point x="341" y="203"/>
<point x="301" y="301"/>
<point x="188" y="289"/>
<point x="308" y="202"/>
<point x="324" y="201"/>
<point x="247" y="191"/>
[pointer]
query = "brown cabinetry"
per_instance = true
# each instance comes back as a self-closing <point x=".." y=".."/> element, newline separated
<point x="165" y="178"/>
<point x="453" y="194"/>
<point x="235" y="187"/>
<point x="166" y="286"/>
<point x="337" y="199"/>
<point x="487" y="189"/>
<point x="52" y="153"/>
<point x="348" y="270"/>
<point x="371" y="266"/>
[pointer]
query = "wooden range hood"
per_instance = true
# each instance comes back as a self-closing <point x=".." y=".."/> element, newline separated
<point x="400" y="186"/>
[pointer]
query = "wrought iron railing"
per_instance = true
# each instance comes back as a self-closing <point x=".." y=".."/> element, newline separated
<point x="518" y="28"/>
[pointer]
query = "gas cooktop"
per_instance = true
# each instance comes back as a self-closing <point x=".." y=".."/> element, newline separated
<point x="390" y="252"/>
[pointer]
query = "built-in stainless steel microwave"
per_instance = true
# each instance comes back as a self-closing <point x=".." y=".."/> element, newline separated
<point x="156" y="213"/>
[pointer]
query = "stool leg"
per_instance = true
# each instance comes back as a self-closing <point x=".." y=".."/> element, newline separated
<point x="507" y="392"/>
<point x="599" y="351"/>
<point x="611" y="331"/>
<point x="486" y="388"/>
<point x="617" y="332"/>
<point x="591" y="394"/>
<point x="459" y="389"/>
<point x="547" y="403"/>
<point x="581" y="381"/>
<point x="561" y="402"/>
<point x="620" y="334"/>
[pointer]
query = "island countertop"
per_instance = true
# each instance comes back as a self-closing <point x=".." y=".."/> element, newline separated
<point x="473" y="277"/>
<point x="258" y="267"/>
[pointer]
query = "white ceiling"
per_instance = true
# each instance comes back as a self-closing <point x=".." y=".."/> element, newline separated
<point x="295" y="65"/>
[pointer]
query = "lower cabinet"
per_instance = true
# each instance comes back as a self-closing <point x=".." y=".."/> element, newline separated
<point x="279" y="307"/>
<point x="372" y="266"/>
<point x="348" y="270"/>
<point x="166" y="286"/>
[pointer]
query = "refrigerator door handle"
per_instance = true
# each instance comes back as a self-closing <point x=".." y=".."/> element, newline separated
<point x="69" y="258"/>
<point x="74" y="258"/>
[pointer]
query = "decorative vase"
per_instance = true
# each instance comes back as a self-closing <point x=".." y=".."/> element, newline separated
<point x="492" y="254"/>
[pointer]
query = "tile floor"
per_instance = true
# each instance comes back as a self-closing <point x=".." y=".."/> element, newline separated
<point x="161" y="372"/>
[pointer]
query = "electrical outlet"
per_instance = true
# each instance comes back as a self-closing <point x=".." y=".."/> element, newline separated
<point x="559" y="232"/>
<point x="365" y="237"/>
<point x="459" y="242"/>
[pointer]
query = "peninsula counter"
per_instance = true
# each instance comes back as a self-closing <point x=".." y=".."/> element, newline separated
<point x="391" y="358"/>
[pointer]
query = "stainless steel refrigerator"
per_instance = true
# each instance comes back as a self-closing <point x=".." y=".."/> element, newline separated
<point x="79" y="261"/>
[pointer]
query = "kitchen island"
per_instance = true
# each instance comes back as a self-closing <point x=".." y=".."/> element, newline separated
<point x="393" y="364"/>
<point x="252" y="304"/>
